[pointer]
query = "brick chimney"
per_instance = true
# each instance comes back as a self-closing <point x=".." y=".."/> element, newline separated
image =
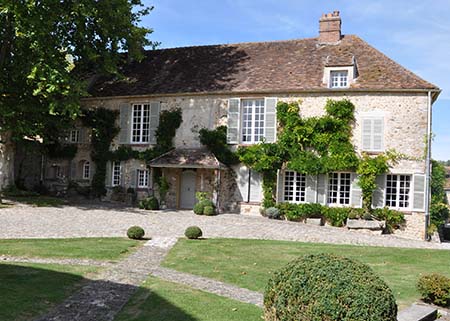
<point x="330" y="28"/>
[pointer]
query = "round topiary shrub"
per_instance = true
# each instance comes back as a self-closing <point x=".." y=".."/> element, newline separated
<point x="209" y="210"/>
<point x="135" y="233"/>
<point x="199" y="208"/>
<point x="327" y="287"/>
<point x="150" y="203"/>
<point x="193" y="232"/>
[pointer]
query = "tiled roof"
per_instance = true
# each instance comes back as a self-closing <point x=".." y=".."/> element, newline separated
<point x="187" y="158"/>
<point x="292" y="65"/>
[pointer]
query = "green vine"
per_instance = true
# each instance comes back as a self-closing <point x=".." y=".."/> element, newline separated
<point x="216" y="141"/>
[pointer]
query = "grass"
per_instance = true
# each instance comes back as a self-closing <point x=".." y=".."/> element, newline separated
<point x="250" y="263"/>
<point x="29" y="290"/>
<point x="158" y="300"/>
<point x="84" y="248"/>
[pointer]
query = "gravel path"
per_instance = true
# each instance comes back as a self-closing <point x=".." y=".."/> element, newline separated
<point x="102" y="220"/>
<point x="22" y="259"/>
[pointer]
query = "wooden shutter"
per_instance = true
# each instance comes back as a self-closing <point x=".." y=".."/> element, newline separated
<point x="255" y="186"/>
<point x="378" y="134"/>
<point x="108" y="175"/>
<point x="155" y="108"/>
<point x="125" y="123"/>
<point x="270" y="128"/>
<point x="419" y="186"/>
<point x="378" y="194"/>
<point x="322" y="189"/>
<point x="280" y="186"/>
<point x="356" y="192"/>
<point x="133" y="178"/>
<point x="372" y="133"/>
<point x="242" y="181"/>
<point x="234" y="110"/>
<point x="311" y="183"/>
<point x="73" y="170"/>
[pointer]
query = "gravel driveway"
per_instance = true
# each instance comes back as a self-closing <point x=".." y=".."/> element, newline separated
<point x="102" y="219"/>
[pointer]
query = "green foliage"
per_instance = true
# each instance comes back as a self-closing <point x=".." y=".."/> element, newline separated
<point x="394" y="219"/>
<point x="199" y="208"/>
<point x="57" y="150"/>
<point x="368" y="169"/>
<point x="269" y="187"/>
<point x="272" y="212"/>
<point x="439" y="211"/>
<point x="135" y="233"/>
<point x="46" y="49"/>
<point x="216" y="141"/>
<point x="336" y="216"/>
<point x="435" y="288"/>
<point x="327" y="287"/>
<point x="193" y="232"/>
<point x="163" y="186"/>
<point x="202" y="196"/>
<point x="169" y="122"/>
<point x="149" y="203"/>
<point x="300" y="212"/>
<point x="209" y="210"/>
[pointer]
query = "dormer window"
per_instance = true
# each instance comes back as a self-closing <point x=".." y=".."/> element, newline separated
<point x="339" y="79"/>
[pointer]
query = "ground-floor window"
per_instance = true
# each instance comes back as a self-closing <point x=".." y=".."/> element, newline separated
<point x="142" y="175"/>
<point x="86" y="170"/>
<point x="398" y="188"/>
<point x="294" y="187"/>
<point x="339" y="185"/>
<point x="116" y="173"/>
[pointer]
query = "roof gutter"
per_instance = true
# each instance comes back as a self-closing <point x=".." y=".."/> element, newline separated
<point x="428" y="165"/>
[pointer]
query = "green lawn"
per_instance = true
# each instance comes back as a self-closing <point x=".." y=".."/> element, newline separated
<point x="249" y="263"/>
<point x="86" y="248"/>
<point x="158" y="300"/>
<point x="28" y="290"/>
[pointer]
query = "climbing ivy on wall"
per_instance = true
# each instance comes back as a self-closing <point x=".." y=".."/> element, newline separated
<point x="216" y="141"/>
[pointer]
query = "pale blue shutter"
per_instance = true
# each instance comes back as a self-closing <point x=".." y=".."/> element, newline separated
<point x="270" y="128"/>
<point x="108" y="175"/>
<point x="311" y="182"/>
<point x="419" y="192"/>
<point x="242" y="181"/>
<point x="280" y="186"/>
<point x="322" y="189"/>
<point x="133" y="178"/>
<point x="73" y="170"/>
<point x="255" y="186"/>
<point x="234" y="110"/>
<point x="366" y="134"/>
<point x="125" y="123"/>
<point x="378" y="134"/>
<point x="155" y="108"/>
<point x="356" y="192"/>
<point x="373" y="133"/>
<point x="378" y="194"/>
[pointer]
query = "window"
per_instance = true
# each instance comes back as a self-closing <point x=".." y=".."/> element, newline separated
<point x="116" y="173"/>
<point x="397" y="190"/>
<point x="74" y="136"/>
<point x="59" y="173"/>
<point x="86" y="170"/>
<point x="294" y="187"/>
<point x="142" y="178"/>
<point x="338" y="79"/>
<point x="252" y="121"/>
<point x="372" y="134"/>
<point x="141" y="124"/>
<point x="339" y="188"/>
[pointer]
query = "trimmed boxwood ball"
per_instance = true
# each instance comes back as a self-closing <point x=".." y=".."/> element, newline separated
<point x="209" y="210"/>
<point x="199" y="208"/>
<point x="193" y="232"/>
<point x="327" y="287"/>
<point x="135" y="232"/>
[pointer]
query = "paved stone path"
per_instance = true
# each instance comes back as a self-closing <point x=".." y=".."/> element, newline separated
<point x="102" y="220"/>
<point x="22" y="259"/>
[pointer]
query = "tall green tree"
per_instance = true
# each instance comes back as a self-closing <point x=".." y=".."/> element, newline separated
<point x="50" y="48"/>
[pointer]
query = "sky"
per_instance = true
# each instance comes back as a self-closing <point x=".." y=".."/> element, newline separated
<point x="414" y="33"/>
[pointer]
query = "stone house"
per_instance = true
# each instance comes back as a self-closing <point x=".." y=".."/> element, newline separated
<point x="239" y="85"/>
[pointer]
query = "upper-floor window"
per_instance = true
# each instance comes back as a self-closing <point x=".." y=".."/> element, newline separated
<point x="398" y="189"/>
<point x="339" y="185"/>
<point x="86" y="170"/>
<point x="142" y="175"/>
<point x="372" y="133"/>
<point x="339" y="79"/>
<point x="116" y="173"/>
<point x="252" y="120"/>
<point x="140" y="123"/>
<point x="74" y="136"/>
<point x="294" y="187"/>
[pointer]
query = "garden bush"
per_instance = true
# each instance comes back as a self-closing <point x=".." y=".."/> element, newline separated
<point x="193" y="232"/>
<point x="299" y="212"/>
<point x="336" y="216"/>
<point x="394" y="219"/>
<point x="199" y="208"/>
<point x="435" y="288"/>
<point x="209" y="210"/>
<point x="135" y="233"/>
<point x="272" y="212"/>
<point x="150" y="203"/>
<point x="327" y="287"/>
<point x="439" y="214"/>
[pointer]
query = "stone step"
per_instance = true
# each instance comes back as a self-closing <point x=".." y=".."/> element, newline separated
<point x="418" y="312"/>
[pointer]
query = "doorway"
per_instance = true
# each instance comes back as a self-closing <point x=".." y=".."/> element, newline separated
<point x="187" y="189"/>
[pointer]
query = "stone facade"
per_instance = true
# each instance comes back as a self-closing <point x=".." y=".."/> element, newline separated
<point x="6" y="162"/>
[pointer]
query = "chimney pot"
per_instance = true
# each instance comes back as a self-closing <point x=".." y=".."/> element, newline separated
<point x="330" y="27"/>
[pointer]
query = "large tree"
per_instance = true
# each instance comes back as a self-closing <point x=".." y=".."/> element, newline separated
<point x="48" y="50"/>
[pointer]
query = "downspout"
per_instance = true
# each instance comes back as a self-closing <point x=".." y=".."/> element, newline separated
<point x="428" y="169"/>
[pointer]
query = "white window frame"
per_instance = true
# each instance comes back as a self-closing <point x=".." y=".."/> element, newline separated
<point x="339" y="198"/>
<point x="74" y="136"/>
<point x="298" y="187"/>
<point x="116" y="173"/>
<point x="351" y="76"/>
<point x="339" y="79"/>
<point x="145" y="178"/>
<point x="141" y="122"/>
<point x="253" y="121"/>
<point x="87" y="170"/>
<point x="397" y="194"/>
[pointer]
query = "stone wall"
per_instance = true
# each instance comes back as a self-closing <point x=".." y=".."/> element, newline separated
<point x="6" y="162"/>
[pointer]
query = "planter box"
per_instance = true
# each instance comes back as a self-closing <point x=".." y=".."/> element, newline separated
<point x="365" y="225"/>
<point x="314" y="221"/>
